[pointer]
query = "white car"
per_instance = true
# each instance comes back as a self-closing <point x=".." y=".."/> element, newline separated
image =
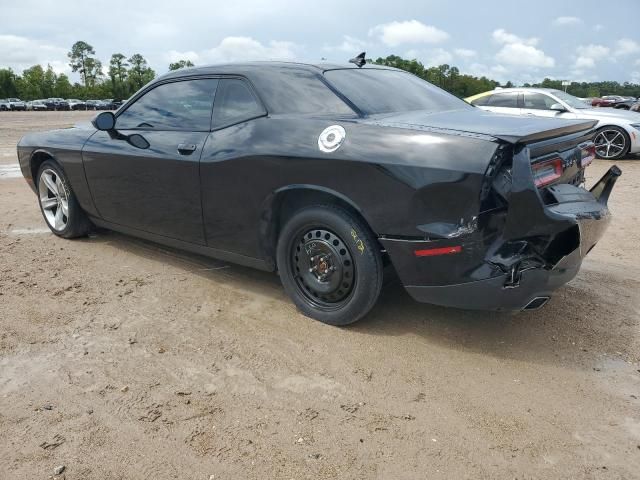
<point x="618" y="131"/>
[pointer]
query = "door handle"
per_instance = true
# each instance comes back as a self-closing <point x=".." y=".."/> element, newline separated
<point x="187" y="148"/>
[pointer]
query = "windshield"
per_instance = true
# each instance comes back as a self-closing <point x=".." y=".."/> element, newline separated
<point x="570" y="100"/>
<point x="385" y="91"/>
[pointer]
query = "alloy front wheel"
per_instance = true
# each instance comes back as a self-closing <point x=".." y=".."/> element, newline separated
<point x="54" y="200"/>
<point x="611" y="143"/>
<point x="58" y="203"/>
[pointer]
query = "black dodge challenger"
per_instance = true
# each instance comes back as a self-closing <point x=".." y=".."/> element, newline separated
<point x="329" y="173"/>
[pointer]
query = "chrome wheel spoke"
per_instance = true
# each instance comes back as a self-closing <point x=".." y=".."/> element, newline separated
<point x="58" y="220"/>
<point x="49" y="182"/>
<point x="64" y="206"/>
<point x="617" y="146"/>
<point x="49" y="203"/>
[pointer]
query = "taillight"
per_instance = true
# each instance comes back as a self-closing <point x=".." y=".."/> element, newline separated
<point x="547" y="171"/>
<point x="588" y="154"/>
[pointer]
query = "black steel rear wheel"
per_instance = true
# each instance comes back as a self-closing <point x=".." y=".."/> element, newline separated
<point x="323" y="268"/>
<point x="330" y="264"/>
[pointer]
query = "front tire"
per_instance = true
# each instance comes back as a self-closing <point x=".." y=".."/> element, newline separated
<point x="330" y="264"/>
<point x="612" y="143"/>
<point x="58" y="203"/>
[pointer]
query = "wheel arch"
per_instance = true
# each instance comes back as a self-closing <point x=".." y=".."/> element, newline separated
<point x="285" y="201"/>
<point x="37" y="158"/>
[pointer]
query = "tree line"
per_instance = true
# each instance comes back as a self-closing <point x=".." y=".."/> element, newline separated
<point x="119" y="80"/>
<point x="126" y="74"/>
<point x="450" y="79"/>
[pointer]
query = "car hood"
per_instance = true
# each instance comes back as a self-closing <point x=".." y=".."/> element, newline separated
<point x="510" y="128"/>
<point x="608" y="114"/>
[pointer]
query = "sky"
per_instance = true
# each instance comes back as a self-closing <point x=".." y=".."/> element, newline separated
<point x="577" y="40"/>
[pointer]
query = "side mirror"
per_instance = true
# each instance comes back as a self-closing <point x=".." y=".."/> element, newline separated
<point x="557" y="107"/>
<point x="105" y="121"/>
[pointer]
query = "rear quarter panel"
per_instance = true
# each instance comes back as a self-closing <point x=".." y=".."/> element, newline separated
<point x="399" y="179"/>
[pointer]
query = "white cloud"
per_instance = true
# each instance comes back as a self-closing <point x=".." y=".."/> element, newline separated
<point x="410" y="31"/>
<point x="635" y="77"/>
<point x="564" y="21"/>
<point x="598" y="27"/>
<point x="521" y="52"/>
<point x="626" y="46"/>
<point x="524" y="56"/>
<point x="494" y="72"/>
<point x="587" y="55"/>
<point x="464" y="52"/>
<point x="430" y="58"/>
<point x="349" y="45"/>
<point x="19" y="53"/>
<point x="502" y="36"/>
<point x="239" y="49"/>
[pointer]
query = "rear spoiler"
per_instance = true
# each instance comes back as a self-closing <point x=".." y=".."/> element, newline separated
<point x="548" y="134"/>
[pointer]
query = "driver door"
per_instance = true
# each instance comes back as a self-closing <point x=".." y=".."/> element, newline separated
<point x="539" y="105"/>
<point x="153" y="184"/>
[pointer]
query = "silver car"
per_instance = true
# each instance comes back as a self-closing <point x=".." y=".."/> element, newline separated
<point x="618" y="131"/>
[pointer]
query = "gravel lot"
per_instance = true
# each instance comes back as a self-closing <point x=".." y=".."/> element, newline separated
<point x="120" y="359"/>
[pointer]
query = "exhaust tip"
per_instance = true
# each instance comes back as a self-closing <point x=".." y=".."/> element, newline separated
<point x="536" y="303"/>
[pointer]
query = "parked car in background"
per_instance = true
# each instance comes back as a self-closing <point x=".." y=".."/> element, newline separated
<point x="325" y="173"/>
<point x="4" y="105"/>
<point x="75" y="104"/>
<point x="94" y="105"/>
<point x="49" y="103"/>
<point x="617" y="101"/>
<point x="635" y="107"/>
<point x="17" y="104"/>
<point x="601" y="102"/>
<point x="37" y="105"/>
<point x="59" y="103"/>
<point x="618" y="131"/>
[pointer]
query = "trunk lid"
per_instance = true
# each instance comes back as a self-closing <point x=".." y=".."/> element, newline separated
<point x="508" y="128"/>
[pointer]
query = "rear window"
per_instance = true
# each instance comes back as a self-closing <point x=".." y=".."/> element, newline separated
<point x="385" y="91"/>
<point x="234" y="103"/>
<point x="298" y="91"/>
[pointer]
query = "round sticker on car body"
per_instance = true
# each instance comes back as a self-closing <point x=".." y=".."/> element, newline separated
<point x="331" y="138"/>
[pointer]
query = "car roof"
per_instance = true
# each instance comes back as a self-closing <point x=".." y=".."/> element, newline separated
<point x="246" y="68"/>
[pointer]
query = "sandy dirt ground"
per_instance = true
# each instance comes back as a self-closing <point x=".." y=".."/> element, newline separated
<point x="120" y="359"/>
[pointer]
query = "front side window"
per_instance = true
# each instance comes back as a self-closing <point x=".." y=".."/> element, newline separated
<point x="570" y="100"/>
<point x="376" y="91"/>
<point x="234" y="103"/>
<point x="183" y="105"/>
<point x="538" y="101"/>
<point x="505" y="100"/>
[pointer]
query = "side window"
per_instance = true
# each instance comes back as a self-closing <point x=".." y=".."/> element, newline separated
<point x="182" y="105"/>
<point x="538" y="101"/>
<point x="479" y="102"/>
<point x="507" y="99"/>
<point x="235" y="102"/>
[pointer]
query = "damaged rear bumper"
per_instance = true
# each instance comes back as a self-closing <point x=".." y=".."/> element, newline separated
<point x="538" y="248"/>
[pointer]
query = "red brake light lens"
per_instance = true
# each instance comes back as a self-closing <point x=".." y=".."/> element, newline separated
<point x="588" y="155"/>
<point x="547" y="171"/>
<point x="432" y="252"/>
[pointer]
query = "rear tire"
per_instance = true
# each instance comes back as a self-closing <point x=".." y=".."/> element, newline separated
<point x="330" y="264"/>
<point x="58" y="203"/>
